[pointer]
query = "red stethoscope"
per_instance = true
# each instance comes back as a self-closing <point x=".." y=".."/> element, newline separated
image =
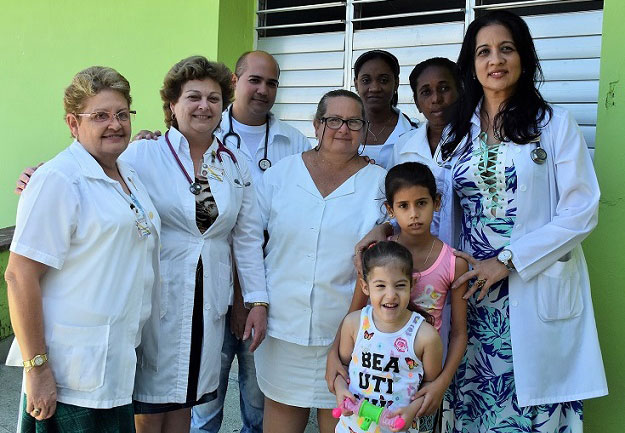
<point x="195" y="186"/>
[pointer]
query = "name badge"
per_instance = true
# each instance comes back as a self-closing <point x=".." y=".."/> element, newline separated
<point x="212" y="172"/>
<point x="143" y="228"/>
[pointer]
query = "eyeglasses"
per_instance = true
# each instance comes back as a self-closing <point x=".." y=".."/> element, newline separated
<point x="104" y="116"/>
<point x="337" y="122"/>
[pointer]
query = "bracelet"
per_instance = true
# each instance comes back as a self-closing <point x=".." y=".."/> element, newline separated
<point x="251" y="305"/>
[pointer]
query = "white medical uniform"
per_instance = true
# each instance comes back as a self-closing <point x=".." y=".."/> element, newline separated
<point x="382" y="154"/>
<point x="284" y="140"/>
<point x="163" y="368"/>
<point x="310" y="274"/>
<point x="101" y="282"/>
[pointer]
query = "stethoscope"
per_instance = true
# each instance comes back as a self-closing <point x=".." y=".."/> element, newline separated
<point x="195" y="186"/>
<point x="264" y="163"/>
<point x="538" y="155"/>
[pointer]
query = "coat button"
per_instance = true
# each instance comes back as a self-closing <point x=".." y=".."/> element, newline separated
<point x="523" y="188"/>
<point x="514" y="303"/>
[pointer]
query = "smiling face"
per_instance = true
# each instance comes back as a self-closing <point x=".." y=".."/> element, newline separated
<point x="256" y="88"/>
<point x="198" y="109"/>
<point x="434" y="93"/>
<point x="388" y="288"/>
<point x="376" y="84"/>
<point x="342" y="140"/>
<point x="497" y="61"/>
<point x="413" y="207"/>
<point x="105" y="141"/>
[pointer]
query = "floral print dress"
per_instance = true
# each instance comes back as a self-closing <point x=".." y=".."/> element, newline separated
<point x="482" y="396"/>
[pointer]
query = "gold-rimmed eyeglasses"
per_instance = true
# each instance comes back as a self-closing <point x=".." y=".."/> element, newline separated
<point x="105" y="116"/>
<point x="337" y="122"/>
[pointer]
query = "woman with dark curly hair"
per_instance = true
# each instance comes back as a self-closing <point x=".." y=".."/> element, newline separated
<point x="526" y="195"/>
<point x="203" y="193"/>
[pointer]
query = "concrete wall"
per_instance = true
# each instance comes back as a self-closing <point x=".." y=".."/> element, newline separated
<point x="603" y="249"/>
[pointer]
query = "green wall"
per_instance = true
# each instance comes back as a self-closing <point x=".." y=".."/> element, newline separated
<point x="44" y="43"/>
<point x="236" y="29"/>
<point x="603" y="249"/>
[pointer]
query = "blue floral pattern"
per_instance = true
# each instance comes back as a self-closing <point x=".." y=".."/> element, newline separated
<point x="482" y="396"/>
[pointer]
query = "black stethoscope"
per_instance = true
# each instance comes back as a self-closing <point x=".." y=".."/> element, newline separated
<point x="264" y="163"/>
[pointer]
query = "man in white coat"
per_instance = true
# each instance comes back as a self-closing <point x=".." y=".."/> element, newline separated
<point x="263" y="139"/>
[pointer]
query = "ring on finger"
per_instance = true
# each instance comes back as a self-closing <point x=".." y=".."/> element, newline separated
<point x="36" y="412"/>
<point x="480" y="283"/>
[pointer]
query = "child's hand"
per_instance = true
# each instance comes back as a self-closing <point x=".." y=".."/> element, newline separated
<point x="432" y="394"/>
<point x="342" y="392"/>
<point x="408" y="413"/>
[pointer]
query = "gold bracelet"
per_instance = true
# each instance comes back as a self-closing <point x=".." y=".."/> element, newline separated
<point x="251" y="305"/>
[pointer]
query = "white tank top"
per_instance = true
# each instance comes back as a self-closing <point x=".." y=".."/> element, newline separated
<point x="384" y="368"/>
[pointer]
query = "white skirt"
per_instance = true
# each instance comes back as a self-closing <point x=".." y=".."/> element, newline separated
<point x="293" y="374"/>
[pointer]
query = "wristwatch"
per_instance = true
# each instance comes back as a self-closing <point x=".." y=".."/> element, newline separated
<point x="505" y="257"/>
<point x="36" y="361"/>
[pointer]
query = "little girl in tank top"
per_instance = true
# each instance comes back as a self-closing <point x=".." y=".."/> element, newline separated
<point x="389" y="346"/>
<point x="412" y="199"/>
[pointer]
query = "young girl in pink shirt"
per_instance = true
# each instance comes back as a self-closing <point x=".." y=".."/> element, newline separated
<point x="412" y="199"/>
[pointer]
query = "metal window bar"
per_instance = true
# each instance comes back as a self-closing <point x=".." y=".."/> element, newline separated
<point x="301" y="8"/>
<point x="410" y="14"/>
<point x="526" y="3"/>
<point x="307" y="24"/>
<point x="348" y="56"/>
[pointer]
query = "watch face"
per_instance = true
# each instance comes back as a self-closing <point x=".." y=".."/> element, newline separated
<point x="504" y="256"/>
<point x="38" y="361"/>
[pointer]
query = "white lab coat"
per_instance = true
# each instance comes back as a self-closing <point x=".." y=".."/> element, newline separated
<point x="102" y="281"/>
<point x="162" y="371"/>
<point x="283" y="141"/>
<point x="383" y="153"/>
<point x="555" y="348"/>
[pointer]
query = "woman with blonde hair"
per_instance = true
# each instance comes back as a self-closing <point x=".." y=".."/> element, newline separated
<point x="81" y="273"/>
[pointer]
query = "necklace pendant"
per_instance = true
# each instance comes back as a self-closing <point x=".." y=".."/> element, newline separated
<point x="195" y="188"/>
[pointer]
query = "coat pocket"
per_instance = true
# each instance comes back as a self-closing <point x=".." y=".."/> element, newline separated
<point x="167" y="280"/>
<point x="225" y="288"/>
<point x="78" y="356"/>
<point x="560" y="291"/>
